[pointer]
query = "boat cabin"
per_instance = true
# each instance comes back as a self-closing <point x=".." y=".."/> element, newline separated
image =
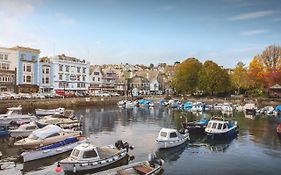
<point x="168" y="134"/>
<point x="85" y="152"/>
<point x="46" y="132"/>
<point x="219" y="125"/>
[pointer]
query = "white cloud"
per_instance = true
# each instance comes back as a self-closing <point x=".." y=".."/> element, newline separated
<point x="252" y="15"/>
<point x="254" y="32"/>
<point x="65" y="19"/>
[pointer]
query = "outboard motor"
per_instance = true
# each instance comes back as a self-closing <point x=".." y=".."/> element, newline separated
<point x="119" y="144"/>
<point x="153" y="160"/>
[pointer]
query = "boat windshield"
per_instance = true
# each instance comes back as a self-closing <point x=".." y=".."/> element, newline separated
<point x="214" y="126"/>
<point x="163" y="134"/>
<point x="90" y="154"/>
<point x="173" y="134"/>
<point x="75" y="153"/>
<point x="33" y="137"/>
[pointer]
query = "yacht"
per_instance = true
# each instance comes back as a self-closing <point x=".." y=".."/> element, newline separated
<point x="24" y="130"/>
<point x="14" y="116"/>
<point x="43" y="112"/>
<point x="45" y="136"/>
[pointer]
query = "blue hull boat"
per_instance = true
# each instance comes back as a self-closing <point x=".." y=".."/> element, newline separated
<point x="219" y="128"/>
<point x="4" y="132"/>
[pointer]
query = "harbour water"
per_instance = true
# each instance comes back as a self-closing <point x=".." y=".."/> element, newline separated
<point x="256" y="150"/>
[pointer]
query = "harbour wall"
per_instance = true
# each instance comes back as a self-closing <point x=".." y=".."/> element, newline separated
<point x="29" y="105"/>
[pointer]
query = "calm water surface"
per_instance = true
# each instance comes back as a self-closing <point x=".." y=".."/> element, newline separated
<point x="256" y="150"/>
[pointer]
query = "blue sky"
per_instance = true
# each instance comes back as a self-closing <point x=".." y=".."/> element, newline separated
<point x="139" y="31"/>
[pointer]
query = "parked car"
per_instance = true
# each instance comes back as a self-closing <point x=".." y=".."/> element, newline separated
<point x="115" y="94"/>
<point x="104" y="94"/>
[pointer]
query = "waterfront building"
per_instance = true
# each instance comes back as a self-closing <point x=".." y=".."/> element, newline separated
<point x="46" y="83"/>
<point x="27" y="69"/>
<point x="8" y="63"/>
<point x="70" y="74"/>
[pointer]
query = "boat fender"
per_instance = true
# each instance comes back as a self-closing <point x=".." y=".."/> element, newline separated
<point x="58" y="168"/>
<point x="74" y="168"/>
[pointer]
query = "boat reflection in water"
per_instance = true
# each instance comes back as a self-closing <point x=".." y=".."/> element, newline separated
<point x="171" y="154"/>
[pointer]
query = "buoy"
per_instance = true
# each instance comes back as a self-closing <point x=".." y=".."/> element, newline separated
<point x="58" y="168"/>
<point x="132" y="147"/>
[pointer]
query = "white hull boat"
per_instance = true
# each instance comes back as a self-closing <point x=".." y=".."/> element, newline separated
<point x="169" y="138"/>
<point x="150" y="167"/>
<point x="14" y="116"/>
<point x="46" y="136"/>
<point x="88" y="157"/>
<point x="23" y="130"/>
<point x="48" y="151"/>
<point x="42" y="112"/>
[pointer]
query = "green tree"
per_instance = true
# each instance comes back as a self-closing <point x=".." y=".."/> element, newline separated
<point x="213" y="79"/>
<point x="239" y="77"/>
<point x="186" y="76"/>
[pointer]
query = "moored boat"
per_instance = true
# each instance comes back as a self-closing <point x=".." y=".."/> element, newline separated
<point x="4" y="132"/>
<point x="60" y="120"/>
<point x="14" y="116"/>
<point x="43" y="112"/>
<point x="45" y="136"/>
<point x="86" y="156"/>
<point x="54" y="149"/>
<point x="196" y="127"/>
<point x="250" y="109"/>
<point x="168" y="138"/>
<point x="153" y="166"/>
<point x="24" y="130"/>
<point x="219" y="128"/>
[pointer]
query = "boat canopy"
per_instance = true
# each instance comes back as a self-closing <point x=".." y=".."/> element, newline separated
<point x="46" y="131"/>
<point x="278" y="108"/>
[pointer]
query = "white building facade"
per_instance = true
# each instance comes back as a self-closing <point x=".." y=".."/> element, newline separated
<point x="70" y="74"/>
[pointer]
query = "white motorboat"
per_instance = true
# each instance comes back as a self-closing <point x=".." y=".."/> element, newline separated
<point x="197" y="107"/>
<point x="24" y="130"/>
<point x="267" y="110"/>
<point x="151" y="167"/>
<point x="219" y="128"/>
<point x="130" y="104"/>
<point x="45" y="136"/>
<point x="54" y="149"/>
<point x="168" y="138"/>
<point x="43" y="112"/>
<point x="14" y="116"/>
<point x="250" y="109"/>
<point x="86" y="156"/>
<point x="226" y="107"/>
<point x="60" y="120"/>
<point x="218" y="106"/>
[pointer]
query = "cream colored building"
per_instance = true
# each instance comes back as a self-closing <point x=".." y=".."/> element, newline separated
<point x="8" y="64"/>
